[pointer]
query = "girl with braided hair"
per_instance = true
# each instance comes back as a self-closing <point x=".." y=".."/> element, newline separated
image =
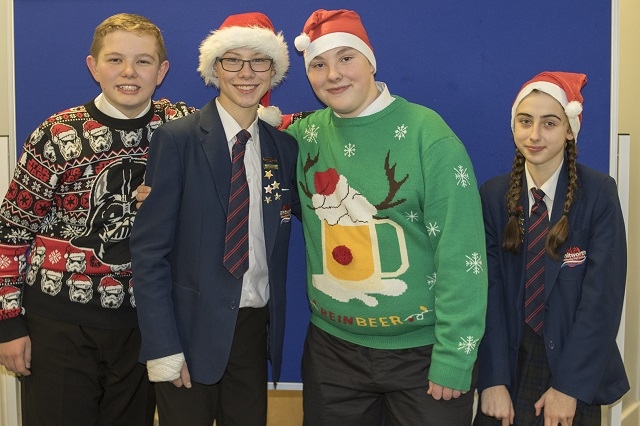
<point x="556" y="253"/>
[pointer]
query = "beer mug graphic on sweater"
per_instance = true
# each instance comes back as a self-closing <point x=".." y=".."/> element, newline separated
<point x="351" y="254"/>
<point x="351" y="244"/>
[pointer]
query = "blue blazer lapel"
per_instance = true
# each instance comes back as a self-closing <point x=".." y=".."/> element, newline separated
<point x="216" y="150"/>
<point x="272" y="180"/>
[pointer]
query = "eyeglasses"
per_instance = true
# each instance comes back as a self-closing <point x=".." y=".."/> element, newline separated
<point x="256" y="65"/>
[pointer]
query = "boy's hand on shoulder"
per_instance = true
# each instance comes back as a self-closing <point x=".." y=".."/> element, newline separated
<point x="15" y="355"/>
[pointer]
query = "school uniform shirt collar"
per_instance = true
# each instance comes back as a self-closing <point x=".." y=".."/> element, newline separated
<point x="549" y="187"/>
<point x="105" y="107"/>
<point x="231" y="126"/>
<point x="383" y="100"/>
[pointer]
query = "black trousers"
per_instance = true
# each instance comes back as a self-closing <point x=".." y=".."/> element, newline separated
<point x="84" y="376"/>
<point x="240" y="397"/>
<point x="350" y="385"/>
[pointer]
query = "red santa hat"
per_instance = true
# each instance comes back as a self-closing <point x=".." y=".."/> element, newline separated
<point x="91" y="125"/>
<point x="61" y="131"/>
<point x="110" y="285"/>
<point x="80" y="280"/>
<point x="251" y="30"/>
<point x="74" y="253"/>
<point x="8" y="290"/>
<point x="155" y="122"/>
<point x="328" y="29"/>
<point x="562" y="86"/>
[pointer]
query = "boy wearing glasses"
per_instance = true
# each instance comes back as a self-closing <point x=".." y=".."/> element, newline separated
<point x="210" y="245"/>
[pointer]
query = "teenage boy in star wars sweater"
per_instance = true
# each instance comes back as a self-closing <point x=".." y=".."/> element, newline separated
<point x="68" y="323"/>
<point x="396" y="274"/>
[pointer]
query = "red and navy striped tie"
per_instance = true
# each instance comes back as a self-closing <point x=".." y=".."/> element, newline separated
<point x="236" y="242"/>
<point x="534" y="274"/>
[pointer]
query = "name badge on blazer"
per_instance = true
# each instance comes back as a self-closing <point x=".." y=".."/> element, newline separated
<point x="272" y="191"/>
<point x="573" y="257"/>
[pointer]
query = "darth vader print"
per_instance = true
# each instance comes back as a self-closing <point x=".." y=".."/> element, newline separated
<point x="112" y="212"/>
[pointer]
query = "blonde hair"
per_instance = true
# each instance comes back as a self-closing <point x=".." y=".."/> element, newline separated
<point x="132" y="23"/>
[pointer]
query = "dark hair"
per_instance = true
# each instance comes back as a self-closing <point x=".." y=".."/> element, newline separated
<point x="558" y="234"/>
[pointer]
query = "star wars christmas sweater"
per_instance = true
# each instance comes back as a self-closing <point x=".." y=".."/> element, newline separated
<point x="67" y="215"/>
<point x="394" y="234"/>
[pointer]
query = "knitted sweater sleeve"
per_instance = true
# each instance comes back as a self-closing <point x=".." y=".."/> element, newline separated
<point x="452" y="201"/>
<point x="25" y="206"/>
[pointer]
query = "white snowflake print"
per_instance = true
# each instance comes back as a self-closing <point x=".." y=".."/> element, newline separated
<point x="17" y="236"/>
<point x="462" y="177"/>
<point x="55" y="256"/>
<point x="431" y="280"/>
<point x="433" y="229"/>
<point x="70" y="232"/>
<point x="411" y="216"/>
<point x="467" y="344"/>
<point x="401" y="132"/>
<point x="4" y="262"/>
<point x="48" y="222"/>
<point x="474" y="263"/>
<point x="349" y="150"/>
<point x="311" y="134"/>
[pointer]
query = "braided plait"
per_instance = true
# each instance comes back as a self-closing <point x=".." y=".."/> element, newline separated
<point x="560" y="231"/>
<point x="513" y="231"/>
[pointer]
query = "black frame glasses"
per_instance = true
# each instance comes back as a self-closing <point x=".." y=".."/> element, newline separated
<point x="236" y="64"/>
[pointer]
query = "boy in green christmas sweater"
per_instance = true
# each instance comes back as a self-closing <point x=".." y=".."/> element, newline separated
<point x="393" y="227"/>
<point x="68" y="321"/>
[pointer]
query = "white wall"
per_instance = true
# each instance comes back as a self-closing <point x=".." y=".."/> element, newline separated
<point x="629" y="96"/>
<point x="9" y="414"/>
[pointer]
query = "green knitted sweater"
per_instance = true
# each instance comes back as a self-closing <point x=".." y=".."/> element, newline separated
<point x="394" y="236"/>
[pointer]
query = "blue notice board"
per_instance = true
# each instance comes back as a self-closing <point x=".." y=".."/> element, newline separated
<point x="466" y="60"/>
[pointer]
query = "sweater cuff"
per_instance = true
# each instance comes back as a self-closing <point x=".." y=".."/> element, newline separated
<point x="12" y="328"/>
<point x="165" y="369"/>
<point x="450" y="376"/>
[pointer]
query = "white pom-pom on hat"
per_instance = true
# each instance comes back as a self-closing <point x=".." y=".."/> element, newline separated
<point x="270" y="114"/>
<point x="573" y="109"/>
<point x="302" y="42"/>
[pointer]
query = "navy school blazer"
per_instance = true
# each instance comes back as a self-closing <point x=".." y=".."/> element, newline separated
<point x="584" y="292"/>
<point x="186" y="299"/>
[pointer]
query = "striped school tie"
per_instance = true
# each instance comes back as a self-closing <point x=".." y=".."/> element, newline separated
<point x="534" y="274"/>
<point x="236" y="242"/>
